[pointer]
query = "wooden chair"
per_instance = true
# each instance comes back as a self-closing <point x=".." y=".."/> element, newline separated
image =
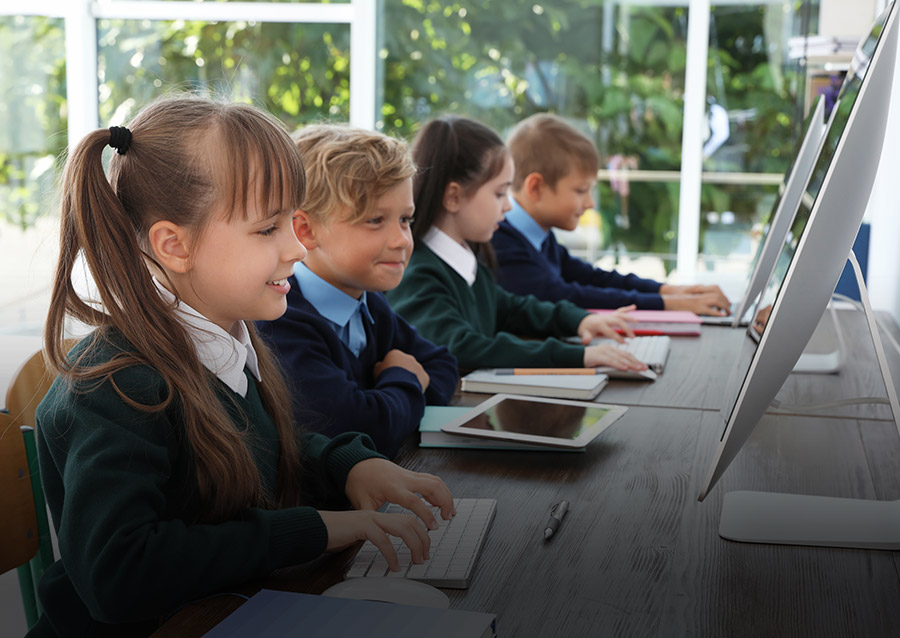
<point x="25" y="532"/>
<point x="28" y="386"/>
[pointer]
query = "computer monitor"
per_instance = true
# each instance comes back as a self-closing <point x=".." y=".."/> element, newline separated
<point x="811" y="260"/>
<point x="789" y="193"/>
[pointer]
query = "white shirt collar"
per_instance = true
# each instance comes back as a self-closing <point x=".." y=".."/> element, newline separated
<point x="458" y="256"/>
<point x="223" y="354"/>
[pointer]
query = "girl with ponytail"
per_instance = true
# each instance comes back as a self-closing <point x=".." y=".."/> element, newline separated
<point x="448" y="291"/>
<point x="170" y="459"/>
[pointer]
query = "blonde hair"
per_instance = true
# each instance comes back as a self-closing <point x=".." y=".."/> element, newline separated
<point x="187" y="156"/>
<point x="547" y="144"/>
<point x="348" y="169"/>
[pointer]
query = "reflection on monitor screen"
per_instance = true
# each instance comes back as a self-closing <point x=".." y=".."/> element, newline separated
<point x="789" y="193"/>
<point x="812" y="257"/>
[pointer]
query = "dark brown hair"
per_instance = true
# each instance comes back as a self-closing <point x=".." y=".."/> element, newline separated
<point x="187" y="157"/>
<point x="453" y="149"/>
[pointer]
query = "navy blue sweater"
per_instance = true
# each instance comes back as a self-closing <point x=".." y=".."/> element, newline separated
<point x="552" y="274"/>
<point x="330" y="380"/>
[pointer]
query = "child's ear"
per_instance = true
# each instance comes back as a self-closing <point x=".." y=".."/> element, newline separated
<point x="303" y="229"/>
<point x="533" y="185"/>
<point x="453" y="197"/>
<point x="171" y="245"/>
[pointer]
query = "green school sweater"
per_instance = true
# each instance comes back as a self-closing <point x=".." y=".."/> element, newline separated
<point x="122" y="491"/>
<point x="483" y="325"/>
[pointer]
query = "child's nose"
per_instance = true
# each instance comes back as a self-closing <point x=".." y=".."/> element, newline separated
<point x="296" y="250"/>
<point x="402" y="237"/>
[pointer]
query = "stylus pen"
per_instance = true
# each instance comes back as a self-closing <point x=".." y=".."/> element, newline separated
<point x="557" y="512"/>
<point x="508" y="371"/>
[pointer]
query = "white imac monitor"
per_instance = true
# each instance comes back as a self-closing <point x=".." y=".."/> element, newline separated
<point x="785" y="207"/>
<point x="810" y="262"/>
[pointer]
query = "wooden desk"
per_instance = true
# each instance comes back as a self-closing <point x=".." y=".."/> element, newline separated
<point x="637" y="555"/>
<point x="698" y="371"/>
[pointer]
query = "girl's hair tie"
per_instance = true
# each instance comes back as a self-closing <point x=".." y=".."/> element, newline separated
<point x="119" y="138"/>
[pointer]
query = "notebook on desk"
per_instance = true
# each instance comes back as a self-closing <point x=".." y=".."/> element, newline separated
<point x="276" y="614"/>
<point x="583" y="387"/>
<point x="675" y="323"/>
<point x="656" y="316"/>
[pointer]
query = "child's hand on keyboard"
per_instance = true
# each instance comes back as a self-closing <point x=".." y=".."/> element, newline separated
<point x="702" y="300"/>
<point x="374" y="482"/>
<point x="609" y="355"/>
<point x="346" y="528"/>
<point x="609" y="326"/>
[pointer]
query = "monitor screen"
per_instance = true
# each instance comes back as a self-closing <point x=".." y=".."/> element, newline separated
<point x="779" y="219"/>
<point x="846" y="101"/>
<point x="817" y="244"/>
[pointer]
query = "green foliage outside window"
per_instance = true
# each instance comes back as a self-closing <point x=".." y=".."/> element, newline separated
<point x="495" y="60"/>
<point x="33" y="116"/>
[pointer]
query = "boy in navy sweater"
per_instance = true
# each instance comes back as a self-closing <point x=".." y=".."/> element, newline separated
<point x="352" y="360"/>
<point x="555" y="171"/>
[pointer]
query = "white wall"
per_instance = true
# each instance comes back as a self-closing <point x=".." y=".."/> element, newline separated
<point x="884" y="215"/>
<point x="847" y="17"/>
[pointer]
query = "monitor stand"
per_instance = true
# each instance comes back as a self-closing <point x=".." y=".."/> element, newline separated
<point x="795" y="519"/>
<point x="827" y="333"/>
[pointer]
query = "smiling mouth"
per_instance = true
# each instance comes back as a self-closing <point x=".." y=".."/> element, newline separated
<point x="278" y="282"/>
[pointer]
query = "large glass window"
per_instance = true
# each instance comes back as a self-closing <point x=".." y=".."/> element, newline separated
<point x="614" y="69"/>
<point x="617" y="71"/>
<point x="755" y="114"/>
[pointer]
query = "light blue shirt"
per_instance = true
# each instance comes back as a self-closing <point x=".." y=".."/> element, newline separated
<point x="519" y="219"/>
<point x="343" y="312"/>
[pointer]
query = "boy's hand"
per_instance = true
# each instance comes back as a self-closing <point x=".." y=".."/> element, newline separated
<point x="374" y="482"/>
<point x="708" y="303"/>
<point x="399" y="359"/>
<point x="607" y="355"/>
<point x="702" y="300"/>
<point x="595" y="325"/>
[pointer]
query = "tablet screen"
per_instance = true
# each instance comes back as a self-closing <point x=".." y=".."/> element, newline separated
<point x="548" y="420"/>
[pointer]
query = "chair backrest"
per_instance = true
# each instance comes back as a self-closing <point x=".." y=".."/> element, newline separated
<point x="29" y="385"/>
<point x="19" y="531"/>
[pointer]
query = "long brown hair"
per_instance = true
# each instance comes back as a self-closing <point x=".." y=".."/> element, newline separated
<point x="187" y="156"/>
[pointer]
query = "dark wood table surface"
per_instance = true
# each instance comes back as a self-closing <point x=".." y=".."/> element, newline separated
<point x="637" y="554"/>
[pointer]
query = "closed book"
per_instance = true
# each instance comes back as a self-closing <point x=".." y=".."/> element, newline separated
<point x="672" y="323"/>
<point x="273" y="613"/>
<point x="657" y="316"/>
<point x="438" y="415"/>
<point x="583" y="387"/>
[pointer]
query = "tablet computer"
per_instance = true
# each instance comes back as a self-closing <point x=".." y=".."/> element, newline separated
<point x="540" y="420"/>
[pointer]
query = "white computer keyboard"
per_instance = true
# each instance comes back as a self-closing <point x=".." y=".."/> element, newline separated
<point x="652" y="350"/>
<point x="455" y="546"/>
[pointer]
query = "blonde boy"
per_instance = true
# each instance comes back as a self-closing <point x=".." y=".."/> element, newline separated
<point x="555" y="172"/>
<point x="354" y="361"/>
